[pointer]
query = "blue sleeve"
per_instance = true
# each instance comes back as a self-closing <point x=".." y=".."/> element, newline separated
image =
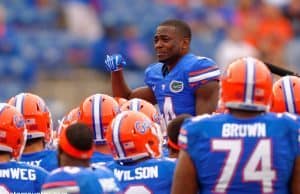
<point x="298" y="152"/>
<point x="192" y="134"/>
<point x="147" y="79"/>
<point x="152" y="73"/>
<point x="187" y="137"/>
<point x="293" y="121"/>
<point x="88" y="182"/>
<point x="202" y="71"/>
<point x="107" y="180"/>
<point x="298" y="136"/>
<point x="41" y="177"/>
<point x="295" y="137"/>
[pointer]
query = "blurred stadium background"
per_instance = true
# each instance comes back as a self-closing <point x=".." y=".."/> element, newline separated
<point x="56" y="48"/>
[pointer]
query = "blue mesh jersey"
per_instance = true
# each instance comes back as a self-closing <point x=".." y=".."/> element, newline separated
<point x="46" y="159"/>
<point x="238" y="156"/>
<point x="175" y="92"/>
<point x="165" y="151"/>
<point x="107" y="180"/>
<point x="16" y="177"/>
<point x="99" y="158"/>
<point x="72" y="180"/>
<point x="149" y="176"/>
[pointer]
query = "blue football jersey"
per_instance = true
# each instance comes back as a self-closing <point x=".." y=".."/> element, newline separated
<point x="72" y="180"/>
<point x="236" y="156"/>
<point x="149" y="176"/>
<point x="99" y="158"/>
<point x="175" y="92"/>
<point x="17" y="177"/>
<point x="165" y="151"/>
<point x="107" y="180"/>
<point x="46" y="159"/>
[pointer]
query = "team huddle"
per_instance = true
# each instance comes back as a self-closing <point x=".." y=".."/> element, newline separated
<point x="235" y="132"/>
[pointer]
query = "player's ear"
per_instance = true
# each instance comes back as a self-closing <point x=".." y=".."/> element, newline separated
<point x="185" y="43"/>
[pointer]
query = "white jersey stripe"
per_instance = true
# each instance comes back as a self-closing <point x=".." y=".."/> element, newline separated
<point x="204" y="76"/>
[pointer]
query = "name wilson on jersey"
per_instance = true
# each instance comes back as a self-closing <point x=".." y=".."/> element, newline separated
<point x="137" y="174"/>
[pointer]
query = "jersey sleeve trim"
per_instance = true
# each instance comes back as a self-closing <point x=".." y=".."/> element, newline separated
<point x="182" y="139"/>
<point x="59" y="184"/>
<point x="298" y="142"/>
<point x="198" y="72"/>
<point x="206" y="74"/>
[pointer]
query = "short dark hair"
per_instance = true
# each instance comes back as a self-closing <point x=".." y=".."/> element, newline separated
<point x="182" y="26"/>
<point x="80" y="136"/>
<point x="33" y="141"/>
<point x="174" y="126"/>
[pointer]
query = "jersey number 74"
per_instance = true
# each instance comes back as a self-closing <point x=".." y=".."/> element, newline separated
<point x="258" y="168"/>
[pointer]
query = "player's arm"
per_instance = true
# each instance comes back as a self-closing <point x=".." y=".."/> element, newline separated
<point x="296" y="177"/>
<point x="185" y="176"/>
<point x="206" y="97"/>
<point x="203" y="77"/>
<point x="144" y="93"/>
<point x="121" y="89"/>
<point x="119" y="85"/>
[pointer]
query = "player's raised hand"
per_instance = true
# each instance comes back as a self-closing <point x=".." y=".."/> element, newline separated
<point x="114" y="62"/>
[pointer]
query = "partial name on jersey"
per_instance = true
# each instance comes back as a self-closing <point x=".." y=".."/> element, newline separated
<point x="32" y="163"/>
<point x="18" y="173"/>
<point x="138" y="174"/>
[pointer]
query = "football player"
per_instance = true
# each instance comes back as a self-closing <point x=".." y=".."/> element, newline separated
<point x="286" y="98"/>
<point x="140" y="105"/>
<point x="97" y="111"/>
<point x="38" y="122"/>
<point x="137" y="148"/>
<point x="16" y="177"/>
<point x="286" y="95"/>
<point x="246" y="150"/>
<point x="179" y="82"/>
<point x="75" y="149"/>
<point x="72" y="179"/>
